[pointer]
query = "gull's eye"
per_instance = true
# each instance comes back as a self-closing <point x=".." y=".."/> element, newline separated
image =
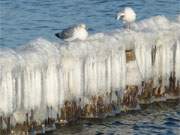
<point x="122" y="16"/>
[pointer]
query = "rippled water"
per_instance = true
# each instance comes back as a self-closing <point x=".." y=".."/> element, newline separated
<point x="158" y="119"/>
<point x="22" y="20"/>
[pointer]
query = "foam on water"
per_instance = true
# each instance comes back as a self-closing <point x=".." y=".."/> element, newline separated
<point x="43" y="73"/>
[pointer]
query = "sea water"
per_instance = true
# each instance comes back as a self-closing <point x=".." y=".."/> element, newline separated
<point x="22" y="21"/>
<point x="38" y="69"/>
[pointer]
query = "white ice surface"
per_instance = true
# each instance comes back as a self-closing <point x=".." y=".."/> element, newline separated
<point x="43" y="73"/>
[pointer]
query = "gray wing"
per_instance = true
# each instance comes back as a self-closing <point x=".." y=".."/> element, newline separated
<point x="66" y="33"/>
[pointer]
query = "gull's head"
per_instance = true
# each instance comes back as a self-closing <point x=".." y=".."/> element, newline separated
<point x="81" y="32"/>
<point x="127" y="15"/>
<point x="82" y="25"/>
<point x="120" y="15"/>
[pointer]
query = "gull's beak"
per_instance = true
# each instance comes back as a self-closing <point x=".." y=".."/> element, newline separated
<point x="118" y="17"/>
<point x="57" y="35"/>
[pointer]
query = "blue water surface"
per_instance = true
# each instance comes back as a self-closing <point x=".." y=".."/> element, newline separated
<point x="24" y="20"/>
<point x="156" y="119"/>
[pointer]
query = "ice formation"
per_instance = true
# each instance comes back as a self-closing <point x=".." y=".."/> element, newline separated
<point x="44" y="73"/>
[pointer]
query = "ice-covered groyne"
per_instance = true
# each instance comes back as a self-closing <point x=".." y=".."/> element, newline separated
<point x="44" y="74"/>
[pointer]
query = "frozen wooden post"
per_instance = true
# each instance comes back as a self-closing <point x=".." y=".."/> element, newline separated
<point x="174" y="81"/>
<point x="27" y="119"/>
<point x="130" y="55"/>
<point x="58" y="117"/>
<point x="48" y="119"/>
<point x="32" y="116"/>
<point x="51" y="116"/>
<point x="8" y="124"/>
<point x="1" y="122"/>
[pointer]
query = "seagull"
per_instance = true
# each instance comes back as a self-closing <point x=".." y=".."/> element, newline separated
<point x="127" y="16"/>
<point x="73" y="33"/>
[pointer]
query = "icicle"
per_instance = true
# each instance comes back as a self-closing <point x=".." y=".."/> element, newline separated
<point x="177" y="60"/>
<point x="51" y="82"/>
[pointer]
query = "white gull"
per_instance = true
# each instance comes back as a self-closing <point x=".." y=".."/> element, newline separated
<point x="128" y="16"/>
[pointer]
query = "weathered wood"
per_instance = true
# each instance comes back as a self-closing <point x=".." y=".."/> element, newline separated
<point x="130" y="55"/>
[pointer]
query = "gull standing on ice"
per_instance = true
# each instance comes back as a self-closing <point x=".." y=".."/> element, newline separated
<point x="72" y="33"/>
<point x="127" y="16"/>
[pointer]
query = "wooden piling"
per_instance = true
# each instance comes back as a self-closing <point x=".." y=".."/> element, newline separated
<point x="8" y="124"/>
<point x="1" y="122"/>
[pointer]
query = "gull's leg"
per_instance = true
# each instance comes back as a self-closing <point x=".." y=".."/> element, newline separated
<point x="125" y="26"/>
<point x="128" y="26"/>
